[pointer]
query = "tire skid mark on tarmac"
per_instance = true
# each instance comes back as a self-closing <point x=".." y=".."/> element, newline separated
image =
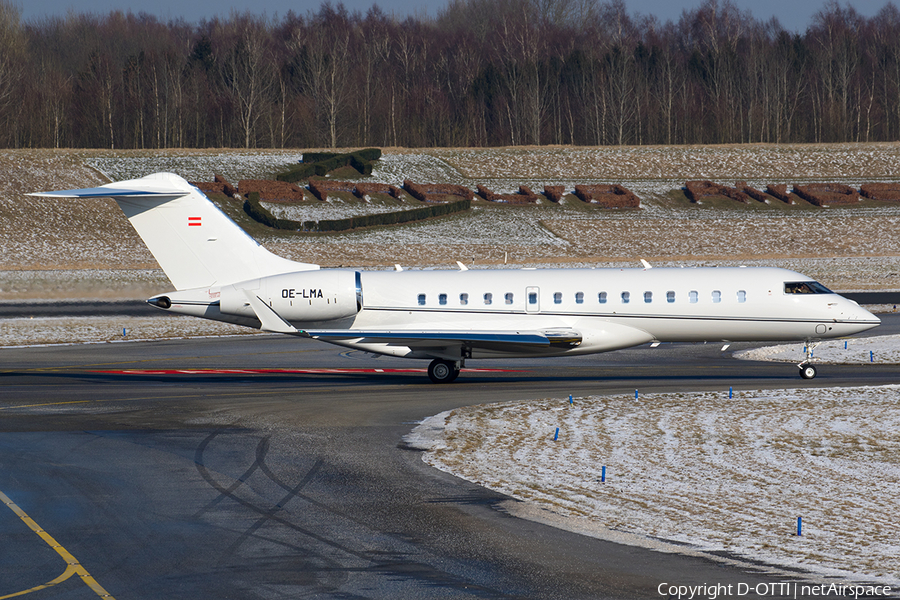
<point x="267" y="513"/>
<point x="261" y="451"/>
<point x="373" y="560"/>
<point x="223" y="492"/>
<point x="328" y="566"/>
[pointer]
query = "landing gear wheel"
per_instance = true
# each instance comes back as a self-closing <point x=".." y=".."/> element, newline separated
<point x="442" y="371"/>
<point x="807" y="371"/>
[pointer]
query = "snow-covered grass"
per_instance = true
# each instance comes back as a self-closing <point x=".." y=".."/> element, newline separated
<point x="883" y="349"/>
<point x="58" y="233"/>
<point x="846" y="248"/>
<point x="785" y="162"/>
<point x="196" y="165"/>
<point x="334" y="208"/>
<point x="487" y="235"/>
<point x="724" y="237"/>
<point x="702" y="469"/>
<point x="444" y="166"/>
<point x="82" y="284"/>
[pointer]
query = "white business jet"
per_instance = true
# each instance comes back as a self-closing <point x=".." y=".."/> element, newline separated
<point x="221" y="273"/>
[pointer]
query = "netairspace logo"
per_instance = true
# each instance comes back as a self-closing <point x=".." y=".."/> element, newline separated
<point x="785" y="589"/>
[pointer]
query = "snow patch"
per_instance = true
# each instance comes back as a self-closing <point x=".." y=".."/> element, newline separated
<point x="698" y="469"/>
<point x="883" y="349"/>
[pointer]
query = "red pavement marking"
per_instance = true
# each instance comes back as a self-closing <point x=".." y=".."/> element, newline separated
<point x="278" y="371"/>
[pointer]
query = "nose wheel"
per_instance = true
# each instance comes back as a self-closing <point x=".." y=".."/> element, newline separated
<point x="807" y="370"/>
<point x="443" y="371"/>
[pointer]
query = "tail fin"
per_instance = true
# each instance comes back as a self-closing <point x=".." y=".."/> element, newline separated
<point x="194" y="242"/>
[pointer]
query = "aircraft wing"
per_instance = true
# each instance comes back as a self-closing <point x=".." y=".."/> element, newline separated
<point x="490" y="340"/>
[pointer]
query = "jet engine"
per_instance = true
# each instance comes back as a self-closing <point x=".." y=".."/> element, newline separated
<point x="306" y="296"/>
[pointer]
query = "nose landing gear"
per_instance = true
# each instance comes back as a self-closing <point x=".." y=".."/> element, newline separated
<point x="807" y="370"/>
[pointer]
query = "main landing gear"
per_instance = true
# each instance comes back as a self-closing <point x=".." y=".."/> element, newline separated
<point x="443" y="371"/>
<point x="807" y="370"/>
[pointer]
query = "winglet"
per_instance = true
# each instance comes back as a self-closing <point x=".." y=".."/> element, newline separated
<point x="462" y="267"/>
<point x="646" y="264"/>
<point x="271" y="320"/>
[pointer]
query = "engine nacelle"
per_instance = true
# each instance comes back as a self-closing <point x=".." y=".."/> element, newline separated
<point x="305" y="296"/>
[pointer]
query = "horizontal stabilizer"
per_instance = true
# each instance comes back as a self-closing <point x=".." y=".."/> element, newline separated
<point x="109" y="192"/>
<point x="160" y="184"/>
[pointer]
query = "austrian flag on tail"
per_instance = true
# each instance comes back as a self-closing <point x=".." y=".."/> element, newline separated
<point x="194" y="221"/>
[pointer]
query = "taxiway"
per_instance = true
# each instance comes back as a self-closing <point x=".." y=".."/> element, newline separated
<point x="274" y="467"/>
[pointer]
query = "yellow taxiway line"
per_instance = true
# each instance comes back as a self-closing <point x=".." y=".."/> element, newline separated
<point x="73" y="568"/>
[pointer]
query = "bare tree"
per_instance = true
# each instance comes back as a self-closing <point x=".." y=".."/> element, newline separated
<point x="482" y="72"/>
<point x="323" y="49"/>
<point x="620" y="68"/>
<point x="375" y="42"/>
<point x="247" y="72"/>
<point x="12" y="48"/>
<point x="520" y="49"/>
<point x="835" y="37"/>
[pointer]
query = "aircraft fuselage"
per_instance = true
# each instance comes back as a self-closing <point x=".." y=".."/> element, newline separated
<point x="607" y="309"/>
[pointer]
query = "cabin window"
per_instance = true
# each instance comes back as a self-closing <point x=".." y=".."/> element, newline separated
<point x="670" y="297"/>
<point x="488" y="298"/>
<point x="508" y="298"/>
<point x="421" y="299"/>
<point x="602" y="297"/>
<point x="532" y="297"/>
<point x="805" y="287"/>
<point x="626" y="297"/>
<point x="742" y="296"/>
<point x="557" y="298"/>
<point x="717" y="296"/>
<point x="442" y="299"/>
<point x="579" y="297"/>
<point x="693" y="296"/>
<point x="648" y="297"/>
<point x="463" y="299"/>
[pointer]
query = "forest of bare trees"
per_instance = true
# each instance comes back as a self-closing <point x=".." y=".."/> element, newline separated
<point x="480" y="73"/>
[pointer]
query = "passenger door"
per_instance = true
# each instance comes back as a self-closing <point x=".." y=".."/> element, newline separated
<point x="532" y="300"/>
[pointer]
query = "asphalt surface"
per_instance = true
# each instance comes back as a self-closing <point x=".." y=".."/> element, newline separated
<point x="79" y="308"/>
<point x="274" y="467"/>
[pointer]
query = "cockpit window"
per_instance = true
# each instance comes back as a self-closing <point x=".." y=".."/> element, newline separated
<point x="805" y="287"/>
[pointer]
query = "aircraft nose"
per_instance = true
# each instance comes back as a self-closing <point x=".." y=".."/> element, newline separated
<point x="859" y="316"/>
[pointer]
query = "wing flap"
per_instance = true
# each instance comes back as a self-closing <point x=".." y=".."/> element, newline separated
<point x="430" y="338"/>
